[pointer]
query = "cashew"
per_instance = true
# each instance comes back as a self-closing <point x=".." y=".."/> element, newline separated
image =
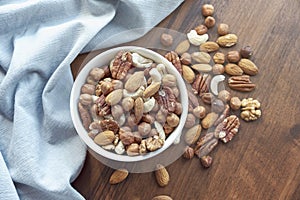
<point x="120" y="149"/>
<point x="135" y="94"/>
<point x="95" y="127"/>
<point x="155" y="75"/>
<point x="215" y="82"/>
<point x="160" y="130"/>
<point x="196" y="39"/>
<point x="121" y="121"/>
<point x="140" y="62"/>
<point x="149" y="105"/>
<point x="161" y="68"/>
<point x="108" y="147"/>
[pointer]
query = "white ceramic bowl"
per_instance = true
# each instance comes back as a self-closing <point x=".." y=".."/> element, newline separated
<point x="104" y="59"/>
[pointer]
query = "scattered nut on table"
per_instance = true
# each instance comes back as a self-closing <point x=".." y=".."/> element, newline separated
<point x="250" y="109"/>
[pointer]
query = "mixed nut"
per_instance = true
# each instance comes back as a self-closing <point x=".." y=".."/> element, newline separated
<point x="131" y="106"/>
<point x="211" y="109"/>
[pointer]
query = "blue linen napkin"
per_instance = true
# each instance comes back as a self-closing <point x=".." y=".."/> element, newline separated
<point x="40" y="152"/>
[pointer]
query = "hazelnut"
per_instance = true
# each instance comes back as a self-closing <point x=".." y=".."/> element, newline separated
<point x="86" y="99"/>
<point x="127" y="103"/>
<point x="199" y="112"/>
<point x="201" y="29"/>
<point x="246" y="52"/>
<point x="219" y="58"/>
<point x="88" y="89"/>
<point x="175" y="91"/>
<point x="188" y="153"/>
<point x="233" y="56"/>
<point x="131" y="121"/>
<point x="106" y="87"/>
<point x="144" y="128"/>
<point x="148" y="118"/>
<point x="137" y="137"/>
<point x="217" y="106"/>
<point x="117" y="111"/>
<point x="126" y="137"/>
<point x="218" y="69"/>
<point x="190" y="121"/>
<point x="178" y="108"/>
<point x="186" y="58"/>
<point x="207" y="97"/>
<point x="97" y="73"/>
<point x="207" y="10"/>
<point x="161" y="116"/>
<point x="206" y="161"/>
<point x="90" y="80"/>
<point x="173" y="120"/>
<point x="223" y="29"/>
<point x="168" y="129"/>
<point x="235" y="103"/>
<point x="209" y="21"/>
<point x="224" y="95"/>
<point x="166" y="39"/>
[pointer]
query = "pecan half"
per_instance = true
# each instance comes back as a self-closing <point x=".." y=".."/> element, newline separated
<point x="103" y="108"/>
<point x="120" y="65"/>
<point x="207" y="147"/>
<point x="226" y="130"/>
<point x="85" y="116"/>
<point x="201" y="83"/>
<point x="166" y="98"/>
<point x="193" y="99"/>
<point x="109" y="124"/>
<point x="241" y="83"/>
<point x="175" y="60"/>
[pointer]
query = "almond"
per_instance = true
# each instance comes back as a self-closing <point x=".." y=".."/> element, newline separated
<point x="202" y="67"/>
<point x="135" y="81"/>
<point x="209" y="120"/>
<point x="114" y="97"/>
<point x="248" y="66"/>
<point x="118" y="176"/>
<point x="162" y="175"/>
<point x="209" y="46"/>
<point x="138" y="109"/>
<point x="201" y="57"/>
<point x="188" y="74"/>
<point x="233" y="69"/>
<point x="227" y="40"/>
<point x="193" y="134"/>
<point x="182" y="47"/>
<point x="151" y="89"/>
<point x="162" y="197"/>
<point x="104" y="138"/>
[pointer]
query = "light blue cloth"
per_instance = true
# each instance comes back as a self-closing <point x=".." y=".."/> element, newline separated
<point x="40" y="152"/>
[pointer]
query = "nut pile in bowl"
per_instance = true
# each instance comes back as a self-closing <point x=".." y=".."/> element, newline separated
<point x="132" y="105"/>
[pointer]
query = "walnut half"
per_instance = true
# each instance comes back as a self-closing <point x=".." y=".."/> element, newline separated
<point x="226" y="130"/>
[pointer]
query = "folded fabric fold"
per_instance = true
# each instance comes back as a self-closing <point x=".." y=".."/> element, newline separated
<point x="40" y="152"/>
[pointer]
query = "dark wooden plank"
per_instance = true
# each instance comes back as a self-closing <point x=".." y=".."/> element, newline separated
<point x="263" y="160"/>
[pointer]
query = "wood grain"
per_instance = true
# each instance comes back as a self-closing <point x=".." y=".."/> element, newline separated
<point x="263" y="160"/>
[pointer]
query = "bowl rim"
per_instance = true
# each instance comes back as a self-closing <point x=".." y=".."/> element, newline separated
<point x="108" y="55"/>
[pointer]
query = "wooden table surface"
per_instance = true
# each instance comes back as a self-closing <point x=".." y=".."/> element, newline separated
<point x="263" y="160"/>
